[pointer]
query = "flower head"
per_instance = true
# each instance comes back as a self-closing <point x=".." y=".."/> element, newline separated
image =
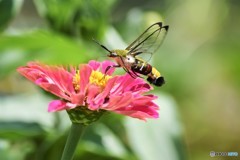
<point x="88" y="88"/>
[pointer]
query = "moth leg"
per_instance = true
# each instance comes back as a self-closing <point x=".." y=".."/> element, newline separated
<point x="125" y="68"/>
<point x="132" y="74"/>
<point x="136" y="74"/>
<point x="108" y="67"/>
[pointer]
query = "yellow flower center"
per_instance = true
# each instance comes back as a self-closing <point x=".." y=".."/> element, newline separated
<point x="99" y="79"/>
<point x="76" y="80"/>
<point x="96" y="78"/>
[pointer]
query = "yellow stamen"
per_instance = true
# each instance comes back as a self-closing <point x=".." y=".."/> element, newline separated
<point x="76" y="80"/>
<point x="99" y="79"/>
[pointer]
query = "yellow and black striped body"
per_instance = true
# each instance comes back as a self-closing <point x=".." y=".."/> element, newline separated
<point x="146" y="69"/>
<point x="155" y="78"/>
<point x="141" y="67"/>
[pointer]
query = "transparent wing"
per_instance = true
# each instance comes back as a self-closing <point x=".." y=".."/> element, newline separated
<point x="149" y="41"/>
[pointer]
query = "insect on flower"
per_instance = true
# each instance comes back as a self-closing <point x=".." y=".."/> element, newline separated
<point x="86" y="92"/>
<point x="146" y="44"/>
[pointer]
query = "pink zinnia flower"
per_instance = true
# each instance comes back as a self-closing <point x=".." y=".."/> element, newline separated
<point x="87" y="87"/>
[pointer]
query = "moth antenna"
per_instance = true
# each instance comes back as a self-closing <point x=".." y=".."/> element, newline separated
<point x="101" y="45"/>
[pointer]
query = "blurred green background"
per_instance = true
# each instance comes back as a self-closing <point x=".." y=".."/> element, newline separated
<point x="199" y="59"/>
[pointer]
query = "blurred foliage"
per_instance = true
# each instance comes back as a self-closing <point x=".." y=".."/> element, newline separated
<point x="35" y="46"/>
<point x="76" y="17"/>
<point x="9" y="8"/>
<point x="199" y="60"/>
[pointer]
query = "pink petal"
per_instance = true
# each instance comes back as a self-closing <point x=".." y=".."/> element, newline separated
<point x="71" y="105"/>
<point x="105" y="65"/>
<point x="140" y="107"/>
<point x="123" y="82"/>
<point x="117" y="102"/>
<point x="101" y="97"/>
<point x="93" y="91"/>
<point x="139" y="85"/>
<point x="140" y="112"/>
<point x="85" y="72"/>
<point x="143" y="99"/>
<point x="94" y="64"/>
<point x="137" y="114"/>
<point x="59" y="105"/>
<point x="53" y="79"/>
<point x="56" y="105"/>
<point x="78" y="98"/>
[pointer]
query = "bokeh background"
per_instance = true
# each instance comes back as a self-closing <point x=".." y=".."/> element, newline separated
<point x="199" y="60"/>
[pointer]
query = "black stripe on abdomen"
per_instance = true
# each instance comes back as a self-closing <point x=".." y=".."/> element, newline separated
<point x="145" y="70"/>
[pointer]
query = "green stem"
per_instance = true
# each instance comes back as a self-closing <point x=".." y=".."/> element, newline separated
<point x="74" y="136"/>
